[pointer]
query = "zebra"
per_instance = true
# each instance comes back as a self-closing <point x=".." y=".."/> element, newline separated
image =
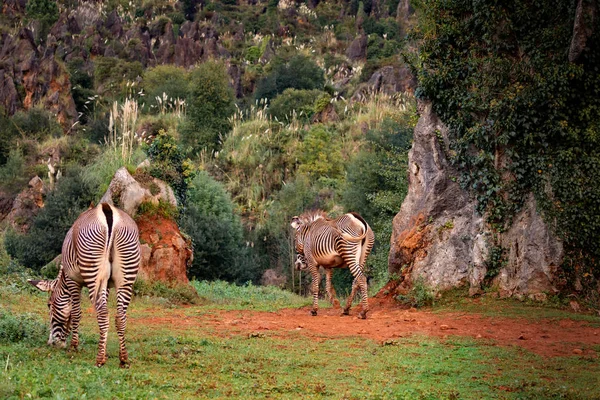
<point x="101" y="249"/>
<point x="343" y="242"/>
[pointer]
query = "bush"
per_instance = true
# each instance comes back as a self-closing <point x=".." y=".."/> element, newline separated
<point x="168" y="79"/>
<point x="211" y="103"/>
<point x="82" y="87"/>
<point x="175" y="293"/>
<point x="44" y="239"/>
<point x="170" y="165"/>
<point x="419" y="296"/>
<point x="216" y="232"/>
<point x="294" y="102"/>
<point x="12" y="173"/>
<point x="320" y="154"/>
<point x="299" y="72"/>
<point x="21" y="328"/>
<point x="112" y="75"/>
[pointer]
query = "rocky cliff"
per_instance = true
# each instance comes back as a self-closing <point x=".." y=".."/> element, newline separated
<point x="439" y="237"/>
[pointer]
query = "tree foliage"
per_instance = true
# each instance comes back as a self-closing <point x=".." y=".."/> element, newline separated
<point x="299" y="72"/>
<point x="220" y="251"/>
<point x="211" y="102"/>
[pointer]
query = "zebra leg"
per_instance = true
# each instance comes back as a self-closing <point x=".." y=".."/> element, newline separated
<point x="330" y="289"/>
<point x="75" y="291"/>
<point x="351" y="297"/>
<point x="362" y="282"/>
<point x="316" y="277"/>
<point x="102" y="317"/>
<point x="124" y="294"/>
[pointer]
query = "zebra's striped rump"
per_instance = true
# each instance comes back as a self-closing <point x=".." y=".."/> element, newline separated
<point x="101" y="249"/>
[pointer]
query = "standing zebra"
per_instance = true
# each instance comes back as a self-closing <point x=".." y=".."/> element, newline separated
<point x="102" y="249"/>
<point x="343" y="242"/>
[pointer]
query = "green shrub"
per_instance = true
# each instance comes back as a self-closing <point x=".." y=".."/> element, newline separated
<point x="35" y="123"/>
<point x="170" y="165"/>
<point x="211" y="103"/>
<point x="176" y="293"/>
<point x="294" y="102"/>
<point x="44" y="11"/>
<point x="82" y="87"/>
<point x="112" y="75"/>
<point x="12" y="173"/>
<point x="320" y="154"/>
<point x="299" y="72"/>
<point x="164" y="79"/>
<point x="418" y="296"/>
<point x="44" y="239"/>
<point x="376" y="184"/>
<point x="21" y="328"/>
<point x="220" y="251"/>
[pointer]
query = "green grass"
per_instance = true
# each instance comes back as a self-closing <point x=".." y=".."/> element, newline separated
<point x="175" y="361"/>
<point x="488" y="305"/>
<point x="250" y="297"/>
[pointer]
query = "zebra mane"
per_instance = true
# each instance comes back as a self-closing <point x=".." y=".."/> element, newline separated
<point x="312" y="215"/>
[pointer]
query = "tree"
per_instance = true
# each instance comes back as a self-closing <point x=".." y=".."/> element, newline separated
<point x="299" y="72"/>
<point x="220" y="251"/>
<point x="211" y="102"/>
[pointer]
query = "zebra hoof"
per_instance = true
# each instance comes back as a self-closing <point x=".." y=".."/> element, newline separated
<point x="362" y="315"/>
<point x="346" y="312"/>
<point x="313" y="313"/>
<point x="100" y="364"/>
<point x="124" y="365"/>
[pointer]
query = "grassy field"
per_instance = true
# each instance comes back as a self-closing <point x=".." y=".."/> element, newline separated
<point x="171" y="362"/>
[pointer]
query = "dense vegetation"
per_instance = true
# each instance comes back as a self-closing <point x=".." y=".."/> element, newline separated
<point x="522" y="116"/>
<point x="272" y="117"/>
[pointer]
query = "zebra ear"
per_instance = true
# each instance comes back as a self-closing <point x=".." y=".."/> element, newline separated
<point x="295" y="222"/>
<point x="44" y="286"/>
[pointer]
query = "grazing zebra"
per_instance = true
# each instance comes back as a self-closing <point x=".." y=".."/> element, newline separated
<point x="102" y="249"/>
<point x="343" y="242"/>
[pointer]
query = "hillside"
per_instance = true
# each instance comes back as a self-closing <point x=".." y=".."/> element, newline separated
<point x="252" y="111"/>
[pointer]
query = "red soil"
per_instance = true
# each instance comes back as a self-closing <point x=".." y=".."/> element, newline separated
<point x="387" y="321"/>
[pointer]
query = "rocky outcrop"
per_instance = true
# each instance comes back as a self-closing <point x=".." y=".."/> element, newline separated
<point x="583" y="27"/>
<point x="166" y="254"/>
<point x="389" y="80"/>
<point x="41" y="77"/>
<point x="357" y="50"/>
<point x="26" y="205"/>
<point x="439" y="237"/>
<point x="128" y="193"/>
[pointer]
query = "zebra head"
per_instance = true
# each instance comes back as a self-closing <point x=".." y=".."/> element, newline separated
<point x="59" y="307"/>
<point x="300" y="262"/>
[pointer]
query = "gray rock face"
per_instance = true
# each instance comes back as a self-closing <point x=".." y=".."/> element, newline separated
<point x="358" y="49"/>
<point x="389" y="80"/>
<point x="127" y="193"/>
<point x="583" y="28"/>
<point x="534" y="255"/>
<point x="439" y="237"/>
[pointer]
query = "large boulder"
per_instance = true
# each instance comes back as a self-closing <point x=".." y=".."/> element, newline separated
<point x="128" y="193"/>
<point x="438" y="235"/>
<point x="166" y="254"/>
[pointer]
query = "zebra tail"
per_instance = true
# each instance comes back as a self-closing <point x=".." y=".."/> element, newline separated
<point x="104" y="269"/>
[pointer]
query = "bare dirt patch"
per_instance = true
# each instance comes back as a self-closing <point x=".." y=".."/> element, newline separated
<point x="387" y="321"/>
